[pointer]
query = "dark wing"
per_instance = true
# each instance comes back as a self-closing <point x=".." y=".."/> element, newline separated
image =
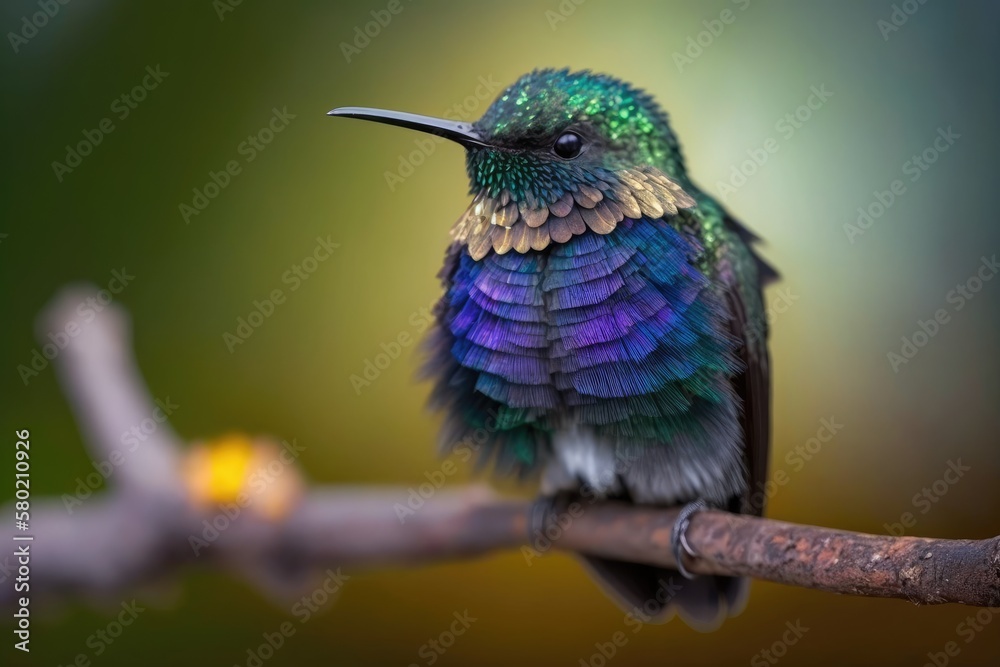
<point x="748" y="324"/>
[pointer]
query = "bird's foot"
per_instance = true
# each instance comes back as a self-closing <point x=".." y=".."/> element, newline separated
<point x="544" y="511"/>
<point x="678" y="536"/>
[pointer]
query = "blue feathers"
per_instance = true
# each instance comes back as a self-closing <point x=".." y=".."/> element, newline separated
<point x="618" y="332"/>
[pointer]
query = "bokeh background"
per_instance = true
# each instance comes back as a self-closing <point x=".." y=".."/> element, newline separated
<point x="847" y="301"/>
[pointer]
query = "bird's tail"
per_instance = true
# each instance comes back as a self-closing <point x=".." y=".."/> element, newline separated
<point x="654" y="594"/>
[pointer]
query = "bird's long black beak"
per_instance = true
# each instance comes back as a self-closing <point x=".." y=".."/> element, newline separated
<point x="463" y="133"/>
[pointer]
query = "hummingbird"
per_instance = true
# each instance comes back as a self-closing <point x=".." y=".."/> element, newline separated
<point x="602" y="325"/>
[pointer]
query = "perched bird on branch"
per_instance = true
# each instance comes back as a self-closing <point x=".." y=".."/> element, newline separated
<point x="602" y="323"/>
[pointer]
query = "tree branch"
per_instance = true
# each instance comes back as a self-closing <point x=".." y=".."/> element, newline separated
<point x="149" y="525"/>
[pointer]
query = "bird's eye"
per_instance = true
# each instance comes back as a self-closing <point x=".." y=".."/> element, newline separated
<point x="568" y="145"/>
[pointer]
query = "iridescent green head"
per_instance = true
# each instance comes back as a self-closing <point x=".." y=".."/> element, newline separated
<point x="552" y="130"/>
<point x="552" y="124"/>
<point x="557" y="154"/>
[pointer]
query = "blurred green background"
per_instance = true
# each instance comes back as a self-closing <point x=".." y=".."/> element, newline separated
<point x="846" y="304"/>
